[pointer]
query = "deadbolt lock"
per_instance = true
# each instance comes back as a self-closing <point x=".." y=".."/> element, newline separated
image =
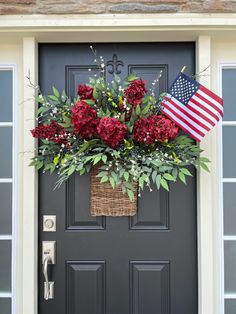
<point x="49" y="223"/>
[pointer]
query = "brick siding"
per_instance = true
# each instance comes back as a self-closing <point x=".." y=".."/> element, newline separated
<point x="115" y="6"/>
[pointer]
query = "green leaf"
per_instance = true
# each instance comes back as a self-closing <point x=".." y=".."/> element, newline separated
<point x="33" y="162"/>
<point x="156" y="163"/>
<point x="154" y="174"/>
<point x="158" y="181"/>
<point x="185" y="171"/>
<point x="164" y="184"/>
<point x="204" y="159"/>
<point x="45" y="142"/>
<point x="40" y="110"/>
<point x="123" y="189"/>
<point x="99" y="86"/>
<point x="128" y="185"/>
<point x="138" y="110"/>
<point x="56" y="92"/>
<point x="96" y="160"/>
<point x="141" y="182"/>
<point x="47" y="167"/>
<point x="52" y="97"/>
<point x="145" y="99"/>
<point x="101" y="174"/>
<point x="52" y="168"/>
<point x="89" y="101"/>
<point x="122" y="118"/>
<point x="95" y="93"/>
<point x="131" y="77"/>
<point x="87" y="145"/>
<point x="114" y="175"/>
<point x="126" y="176"/>
<point x="145" y="110"/>
<point x="80" y="166"/>
<point x="175" y="173"/>
<point x="82" y="171"/>
<point x="71" y="170"/>
<point x="104" y="179"/>
<point x="67" y="123"/>
<point x="104" y="158"/>
<point x="165" y="168"/>
<point x="63" y="95"/>
<point x="168" y="177"/>
<point x="112" y="182"/>
<point x="39" y="99"/>
<point x="56" y="160"/>
<point x="39" y="165"/>
<point x="130" y="194"/>
<point x="88" y="158"/>
<point x="182" y="177"/>
<point x="204" y="166"/>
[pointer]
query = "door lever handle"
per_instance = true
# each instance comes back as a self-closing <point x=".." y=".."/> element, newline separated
<point x="47" y="284"/>
<point x="48" y="257"/>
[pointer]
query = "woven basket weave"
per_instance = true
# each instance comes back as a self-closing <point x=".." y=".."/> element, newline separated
<point x="106" y="201"/>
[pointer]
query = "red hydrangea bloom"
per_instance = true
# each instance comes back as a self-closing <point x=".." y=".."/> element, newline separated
<point x="52" y="132"/>
<point x="141" y="129"/>
<point x="84" y="119"/>
<point x="135" y="92"/>
<point x="111" y="131"/>
<point x="85" y="91"/>
<point x="155" y="128"/>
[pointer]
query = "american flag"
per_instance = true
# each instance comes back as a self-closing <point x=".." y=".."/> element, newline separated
<point x="193" y="107"/>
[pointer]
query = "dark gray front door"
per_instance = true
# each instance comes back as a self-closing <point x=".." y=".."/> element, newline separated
<point x="141" y="265"/>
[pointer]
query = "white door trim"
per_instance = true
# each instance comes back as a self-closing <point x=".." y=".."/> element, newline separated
<point x="30" y="208"/>
<point x="206" y="189"/>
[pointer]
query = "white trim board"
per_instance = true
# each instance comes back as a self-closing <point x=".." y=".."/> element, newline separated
<point x="138" y="21"/>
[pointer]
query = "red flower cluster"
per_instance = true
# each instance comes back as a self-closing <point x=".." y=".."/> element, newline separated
<point x="111" y="131"/>
<point x="84" y="119"/>
<point x="53" y="132"/>
<point x="135" y="92"/>
<point x="154" y="129"/>
<point x="85" y="91"/>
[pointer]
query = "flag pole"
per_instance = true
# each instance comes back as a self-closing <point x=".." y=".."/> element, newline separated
<point x="183" y="69"/>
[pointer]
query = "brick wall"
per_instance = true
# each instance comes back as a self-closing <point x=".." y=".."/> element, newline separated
<point x="115" y="6"/>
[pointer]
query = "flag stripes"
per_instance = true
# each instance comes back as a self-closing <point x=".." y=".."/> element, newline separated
<point x="184" y="127"/>
<point x="204" y="111"/>
<point x="192" y="107"/>
<point x="192" y="115"/>
<point x="187" y="121"/>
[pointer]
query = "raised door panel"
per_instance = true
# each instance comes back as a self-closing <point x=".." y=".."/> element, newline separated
<point x="153" y="74"/>
<point x="85" y="287"/>
<point x="153" y="211"/>
<point x="78" y="205"/>
<point x="78" y="74"/>
<point x="149" y="287"/>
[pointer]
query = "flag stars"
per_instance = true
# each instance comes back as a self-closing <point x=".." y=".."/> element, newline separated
<point x="183" y="89"/>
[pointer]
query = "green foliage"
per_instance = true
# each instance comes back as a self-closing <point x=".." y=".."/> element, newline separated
<point x="133" y="164"/>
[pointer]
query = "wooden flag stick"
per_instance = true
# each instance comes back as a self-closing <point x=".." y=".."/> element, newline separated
<point x="183" y="69"/>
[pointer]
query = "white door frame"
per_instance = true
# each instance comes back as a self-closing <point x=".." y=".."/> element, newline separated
<point x="143" y="28"/>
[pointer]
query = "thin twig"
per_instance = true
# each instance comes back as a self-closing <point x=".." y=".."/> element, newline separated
<point x="199" y="73"/>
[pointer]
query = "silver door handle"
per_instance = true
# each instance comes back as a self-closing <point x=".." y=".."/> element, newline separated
<point x="47" y="284"/>
<point x="48" y="257"/>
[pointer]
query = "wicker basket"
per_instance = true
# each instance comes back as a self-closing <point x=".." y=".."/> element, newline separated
<point x="106" y="201"/>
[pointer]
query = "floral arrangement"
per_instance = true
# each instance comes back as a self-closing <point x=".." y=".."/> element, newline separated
<point x="119" y="128"/>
